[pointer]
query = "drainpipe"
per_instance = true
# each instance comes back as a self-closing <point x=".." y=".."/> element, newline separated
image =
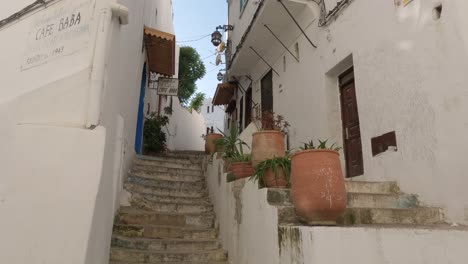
<point x="99" y="60"/>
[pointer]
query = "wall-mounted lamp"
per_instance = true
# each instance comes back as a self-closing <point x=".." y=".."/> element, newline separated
<point x="220" y="76"/>
<point x="216" y="37"/>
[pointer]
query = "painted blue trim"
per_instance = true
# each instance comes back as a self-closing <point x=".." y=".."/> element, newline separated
<point x="140" y="120"/>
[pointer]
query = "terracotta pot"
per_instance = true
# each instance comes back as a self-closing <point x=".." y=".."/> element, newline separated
<point x="266" y="145"/>
<point x="242" y="169"/>
<point x="209" y="143"/>
<point x="271" y="181"/>
<point x="317" y="186"/>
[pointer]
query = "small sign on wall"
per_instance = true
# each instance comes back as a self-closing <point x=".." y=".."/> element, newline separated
<point x="59" y="30"/>
<point x="168" y="86"/>
<point x="402" y="3"/>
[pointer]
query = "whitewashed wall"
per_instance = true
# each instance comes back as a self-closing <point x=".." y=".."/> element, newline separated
<point x="249" y="230"/>
<point x="409" y="72"/>
<point x="60" y="181"/>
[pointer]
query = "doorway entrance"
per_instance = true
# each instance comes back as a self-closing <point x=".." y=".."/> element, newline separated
<point x="351" y="127"/>
<point x="267" y="92"/>
<point x="140" y="118"/>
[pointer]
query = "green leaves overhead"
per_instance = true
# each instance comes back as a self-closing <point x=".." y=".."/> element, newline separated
<point x="191" y="69"/>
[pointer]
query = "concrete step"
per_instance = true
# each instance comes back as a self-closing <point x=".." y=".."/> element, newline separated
<point x="386" y="216"/>
<point x="166" y="176"/>
<point x="168" y="159"/>
<point x="188" y="155"/>
<point x="374" y="216"/>
<point x="173" y="164"/>
<point x="372" y="200"/>
<point x="282" y="197"/>
<point x="171" y="207"/>
<point x="176" y="185"/>
<point x="372" y="187"/>
<point x="164" y="170"/>
<point x="142" y="189"/>
<point x="135" y="256"/>
<point x="144" y="198"/>
<point x="165" y="244"/>
<point x="132" y="216"/>
<point x="177" y="262"/>
<point x="164" y="232"/>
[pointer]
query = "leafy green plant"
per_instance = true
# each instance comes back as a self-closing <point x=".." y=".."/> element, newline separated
<point x="191" y="69"/>
<point x="274" y="164"/>
<point x="321" y="145"/>
<point x="239" y="157"/>
<point x="154" y="138"/>
<point x="168" y="110"/>
<point x="197" y="102"/>
<point x="230" y="144"/>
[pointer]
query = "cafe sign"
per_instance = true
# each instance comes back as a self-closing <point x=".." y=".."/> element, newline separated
<point x="168" y="86"/>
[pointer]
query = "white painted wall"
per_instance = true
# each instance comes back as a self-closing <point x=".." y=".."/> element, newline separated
<point x="409" y="72"/>
<point x="60" y="181"/>
<point x="247" y="223"/>
<point x="250" y="233"/>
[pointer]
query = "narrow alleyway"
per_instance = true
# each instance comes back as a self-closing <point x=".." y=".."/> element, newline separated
<point x="171" y="218"/>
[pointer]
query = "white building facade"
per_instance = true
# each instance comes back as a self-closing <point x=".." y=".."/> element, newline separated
<point x="213" y="115"/>
<point x="394" y="67"/>
<point x="73" y="76"/>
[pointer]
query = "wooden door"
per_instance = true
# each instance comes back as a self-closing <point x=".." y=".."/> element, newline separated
<point x="267" y="92"/>
<point x="351" y="129"/>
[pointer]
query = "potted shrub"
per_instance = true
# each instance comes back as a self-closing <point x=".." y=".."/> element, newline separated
<point x="227" y="144"/>
<point x="317" y="184"/>
<point x="273" y="173"/>
<point x="268" y="142"/>
<point x="241" y="166"/>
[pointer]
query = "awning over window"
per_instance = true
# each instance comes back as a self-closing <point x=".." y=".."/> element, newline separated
<point x="224" y="93"/>
<point x="160" y="48"/>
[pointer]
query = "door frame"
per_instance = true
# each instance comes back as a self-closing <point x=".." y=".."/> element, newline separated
<point x="141" y="115"/>
<point x="345" y="79"/>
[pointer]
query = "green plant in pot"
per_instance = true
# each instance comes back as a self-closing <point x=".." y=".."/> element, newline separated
<point x="317" y="183"/>
<point x="228" y="145"/>
<point x="268" y="142"/>
<point x="273" y="173"/>
<point x="241" y="164"/>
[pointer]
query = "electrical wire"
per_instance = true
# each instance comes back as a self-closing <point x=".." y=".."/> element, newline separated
<point x="28" y="9"/>
<point x="193" y="40"/>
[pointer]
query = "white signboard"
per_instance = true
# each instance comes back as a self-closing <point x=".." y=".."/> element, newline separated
<point x="167" y="86"/>
<point x="59" y="30"/>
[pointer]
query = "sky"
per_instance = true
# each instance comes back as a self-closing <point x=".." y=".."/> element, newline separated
<point x="194" y="19"/>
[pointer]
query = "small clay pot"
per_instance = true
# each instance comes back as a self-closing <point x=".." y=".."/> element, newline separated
<point x="271" y="181"/>
<point x="242" y="169"/>
<point x="317" y="186"/>
<point x="210" y="147"/>
<point x="267" y="145"/>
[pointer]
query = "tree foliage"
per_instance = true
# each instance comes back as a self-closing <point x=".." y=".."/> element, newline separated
<point x="197" y="102"/>
<point x="191" y="69"/>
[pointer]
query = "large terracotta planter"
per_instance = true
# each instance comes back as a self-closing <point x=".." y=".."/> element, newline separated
<point x="317" y="186"/>
<point x="209" y="143"/>
<point x="271" y="181"/>
<point x="266" y="145"/>
<point x="242" y="169"/>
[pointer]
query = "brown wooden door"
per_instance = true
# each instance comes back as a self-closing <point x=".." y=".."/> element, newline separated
<point x="351" y="130"/>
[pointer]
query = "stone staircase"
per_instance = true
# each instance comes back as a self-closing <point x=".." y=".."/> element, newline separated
<point x="369" y="203"/>
<point x="171" y="218"/>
